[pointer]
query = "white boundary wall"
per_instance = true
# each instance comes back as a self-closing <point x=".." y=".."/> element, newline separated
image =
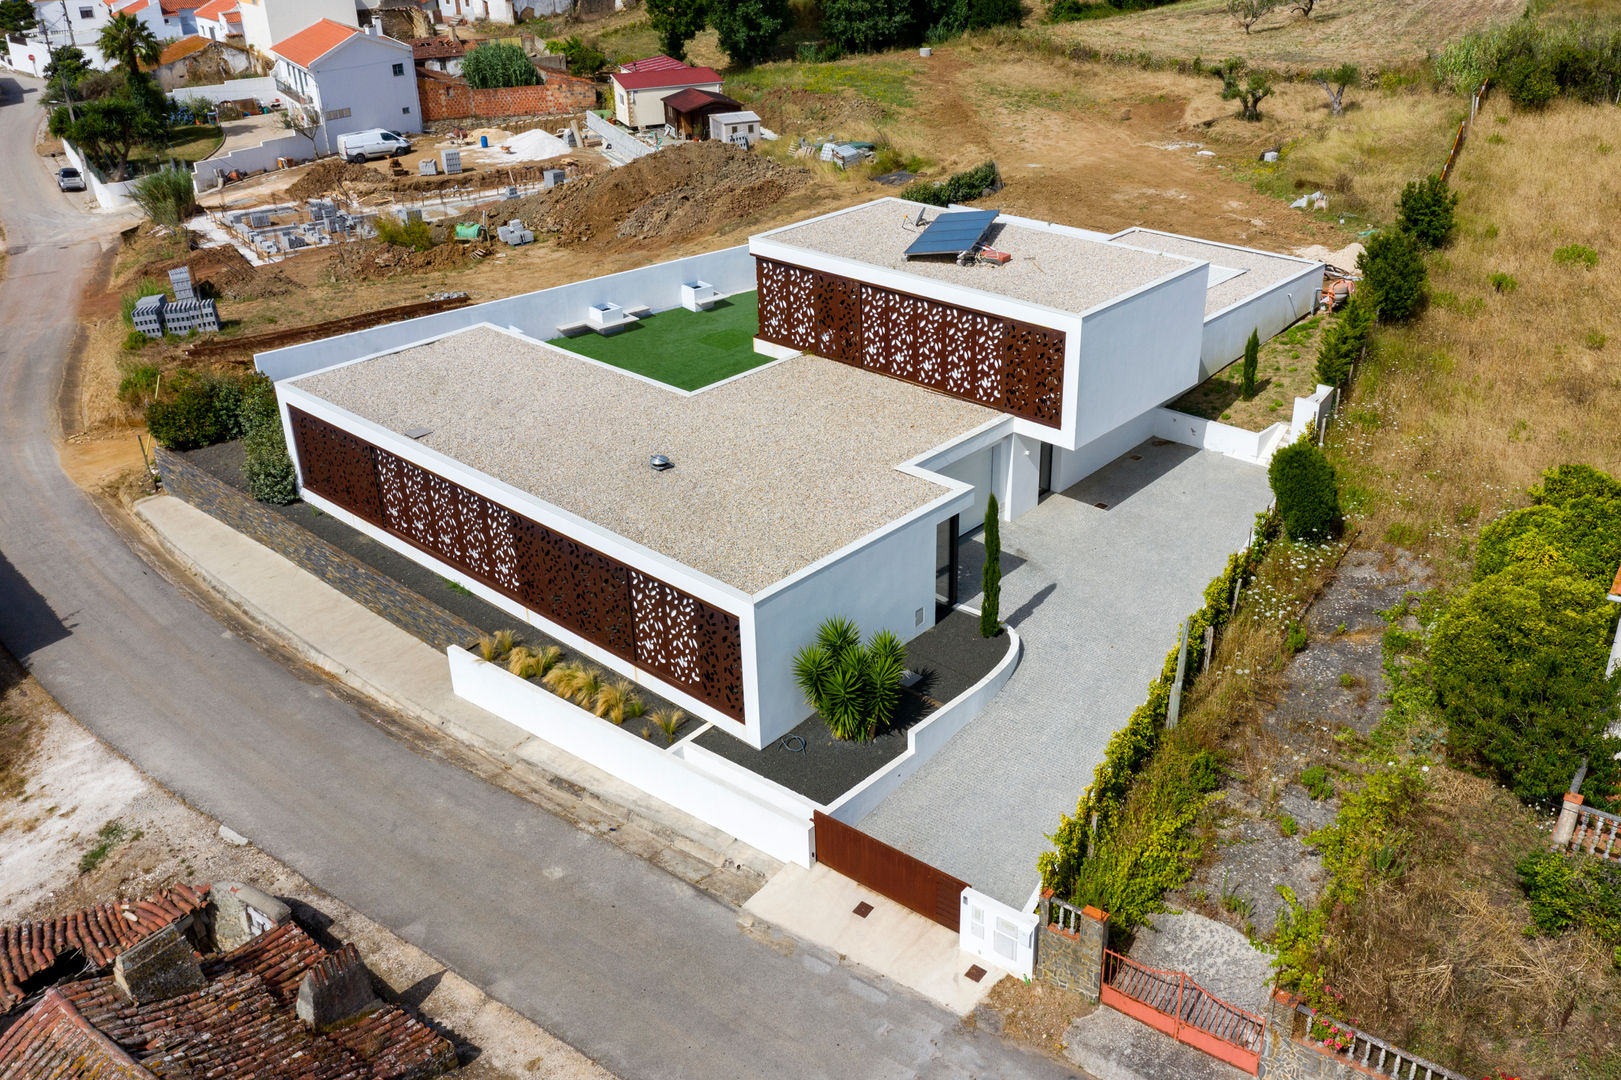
<point x="261" y="88"/>
<point x="778" y="830"/>
<point x="1270" y="313"/>
<point x="998" y="934"/>
<point x="1313" y="411"/>
<point x="108" y="196"/>
<point x="536" y="314"/>
<point x="30" y="58"/>
<point x="247" y="159"/>
<point x="616" y="141"/>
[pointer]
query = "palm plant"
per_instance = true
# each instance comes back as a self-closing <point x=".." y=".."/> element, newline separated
<point x="130" y="41"/>
<point x="855" y="689"/>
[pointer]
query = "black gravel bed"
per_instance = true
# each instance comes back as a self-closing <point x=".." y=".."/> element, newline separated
<point x="223" y="461"/>
<point x="950" y="658"/>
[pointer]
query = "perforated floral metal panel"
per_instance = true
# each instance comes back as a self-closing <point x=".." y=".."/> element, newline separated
<point x="337" y="465"/>
<point x="1008" y="365"/>
<point x="689" y="643"/>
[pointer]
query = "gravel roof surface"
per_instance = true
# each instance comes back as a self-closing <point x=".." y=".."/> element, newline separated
<point x="773" y="470"/>
<point x="1056" y="269"/>
<point x="1262" y="271"/>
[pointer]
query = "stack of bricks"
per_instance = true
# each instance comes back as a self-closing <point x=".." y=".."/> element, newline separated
<point x="1070" y="950"/>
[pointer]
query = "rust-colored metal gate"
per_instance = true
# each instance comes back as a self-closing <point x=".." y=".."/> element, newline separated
<point x="890" y="872"/>
<point x="1171" y="1002"/>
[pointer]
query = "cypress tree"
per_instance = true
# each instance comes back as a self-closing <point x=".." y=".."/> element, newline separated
<point x="1252" y="362"/>
<point x="992" y="579"/>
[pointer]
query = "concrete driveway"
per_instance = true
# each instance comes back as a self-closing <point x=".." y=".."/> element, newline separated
<point x="250" y="131"/>
<point x="1097" y="595"/>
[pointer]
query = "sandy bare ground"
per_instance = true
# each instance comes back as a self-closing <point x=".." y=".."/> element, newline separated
<point x="62" y="791"/>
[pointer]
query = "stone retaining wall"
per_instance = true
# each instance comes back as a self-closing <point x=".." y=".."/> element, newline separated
<point x="384" y="596"/>
<point x="1069" y="949"/>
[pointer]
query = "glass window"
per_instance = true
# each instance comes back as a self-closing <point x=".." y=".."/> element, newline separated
<point x="399" y="69"/>
<point x="87" y="13"/>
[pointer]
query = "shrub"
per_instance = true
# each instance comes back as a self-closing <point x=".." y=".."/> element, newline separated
<point x="583" y="60"/>
<point x="868" y="25"/>
<point x="167" y="196"/>
<point x="817" y="52"/>
<point x="1529" y="84"/>
<point x="1518" y="667"/>
<point x="960" y="188"/>
<point x="415" y="234"/>
<point x="991" y="579"/>
<point x="1393" y="274"/>
<point x="1342" y="343"/>
<point x="266" y="465"/>
<point x="668" y="721"/>
<point x="1295" y="638"/>
<point x="497" y="64"/>
<point x="1503" y="282"/>
<point x="135" y="341"/>
<point x="1063" y="11"/>
<point x="1426" y="210"/>
<point x="1317" y="782"/>
<point x="1566" y="891"/>
<point x="1307" y="492"/>
<point x="138" y="382"/>
<point x="1576" y="255"/>
<point x="1252" y="362"/>
<point x="204" y="410"/>
<point x="747" y="29"/>
<point x="855" y="689"/>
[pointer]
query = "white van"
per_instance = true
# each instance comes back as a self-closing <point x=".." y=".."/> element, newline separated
<point x="372" y="143"/>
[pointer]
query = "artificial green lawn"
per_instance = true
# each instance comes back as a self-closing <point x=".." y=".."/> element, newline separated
<point x="685" y="349"/>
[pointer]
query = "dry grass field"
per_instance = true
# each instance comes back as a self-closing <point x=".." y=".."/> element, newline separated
<point x="1379" y="35"/>
<point x="1452" y="418"/>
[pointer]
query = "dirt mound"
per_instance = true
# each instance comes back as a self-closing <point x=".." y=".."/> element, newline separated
<point x="327" y="175"/>
<point x="368" y="260"/>
<point x="230" y="276"/>
<point x="676" y="193"/>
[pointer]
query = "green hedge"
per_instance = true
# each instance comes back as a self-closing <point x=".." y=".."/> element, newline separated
<point x="1128" y="880"/>
<point x="960" y="188"/>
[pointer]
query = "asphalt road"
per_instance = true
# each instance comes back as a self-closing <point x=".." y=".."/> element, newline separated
<point x="615" y="956"/>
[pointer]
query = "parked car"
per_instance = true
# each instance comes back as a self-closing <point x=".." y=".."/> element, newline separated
<point x="69" y="179"/>
<point x="372" y="143"/>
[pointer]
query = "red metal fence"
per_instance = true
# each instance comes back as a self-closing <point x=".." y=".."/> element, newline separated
<point x="1171" y="1002"/>
<point x="908" y="881"/>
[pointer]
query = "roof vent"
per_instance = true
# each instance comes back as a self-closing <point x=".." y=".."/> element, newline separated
<point x="660" y="463"/>
<point x="417" y="432"/>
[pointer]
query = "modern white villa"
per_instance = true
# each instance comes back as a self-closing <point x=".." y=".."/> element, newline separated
<point x="832" y="481"/>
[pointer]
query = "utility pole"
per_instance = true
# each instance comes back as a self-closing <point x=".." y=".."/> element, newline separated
<point x="67" y="91"/>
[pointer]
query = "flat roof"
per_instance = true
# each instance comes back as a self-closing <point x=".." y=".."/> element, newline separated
<point x="1052" y="267"/>
<point x="773" y="470"/>
<point x="1260" y="270"/>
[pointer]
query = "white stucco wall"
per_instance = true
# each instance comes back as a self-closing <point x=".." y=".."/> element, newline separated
<point x="537" y="314"/>
<point x="1138" y="352"/>
<point x="645" y="108"/>
<point x="1271" y="312"/>
<point x="360" y="76"/>
<point x="881" y="584"/>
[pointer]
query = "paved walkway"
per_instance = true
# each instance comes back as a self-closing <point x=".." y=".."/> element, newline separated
<point x="1097" y="595"/>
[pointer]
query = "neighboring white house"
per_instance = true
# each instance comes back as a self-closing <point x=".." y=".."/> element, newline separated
<point x="265" y="22"/>
<point x="351" y="79"/>
<point x="496" y="11"/>
<point x="220" y="20"/>
<point x="641" y="87"/>
<point x="734" y="126"/>
<point x="77" y="21"/>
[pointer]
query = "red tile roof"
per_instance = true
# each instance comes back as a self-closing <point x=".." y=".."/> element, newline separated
<point x="240" y="1026"/>
<point x="692" y="98"/>
<point x="313" y="42"/>
<point x="215" y="8"/>
<point x="658" y="72"/>
<point x="134" y="6"/>
<point x="179" y="50"/>
<point x="100" y="933"/>
<point x="175" y="7"/>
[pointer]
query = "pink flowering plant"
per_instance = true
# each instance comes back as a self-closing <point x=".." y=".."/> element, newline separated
<point x="1330" y="1036"/>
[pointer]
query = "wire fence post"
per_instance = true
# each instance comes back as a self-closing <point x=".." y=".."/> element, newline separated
<point x="1173" y="708"/>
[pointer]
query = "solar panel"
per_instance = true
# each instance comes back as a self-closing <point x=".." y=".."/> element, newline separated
<point x="952" y="233"/>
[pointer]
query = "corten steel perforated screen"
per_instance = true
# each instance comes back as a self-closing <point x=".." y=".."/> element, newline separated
<point x="685" y="641"/>
<point x="1011" y="366"/>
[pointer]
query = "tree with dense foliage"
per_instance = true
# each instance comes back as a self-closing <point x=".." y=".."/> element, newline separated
<point x="1334" y="82"/>
<point x="1426" y="209"/>
<point x="677" y="22"/>
<point x="1307" y="492"/>
<point x="1518" y="666"/>
<point x="1247" y="13"/>
<point x="1251" y="365"/>
<point x="129" y="42"/>
<point x="990" y="620"/>
<point x="196" y="411"/>
<point x="1246" y="87"/>
<point x="1573" y="525"/>
<point x="747" y="29"/>
<point x="1342" y="343"/>
<point x="17" y="16"/>
<point x="583" y="60"/>
<point x="1393" y="275"/>
<point x="956" y="16"/>
<point x="868" y="25"/>
<point x="66" y="70"/>
<point x="498" y="64"/>
<point x="107" y="129"/>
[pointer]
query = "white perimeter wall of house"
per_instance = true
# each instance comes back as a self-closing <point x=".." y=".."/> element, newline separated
<point x="1270" y="312"/>
<point x="358" y="75"/>
<point x="610" y="544"/>
<point x="537" y="314"/>
<point x="980" y="470"/>
<point x="208" y="172"/>
<point x="109" y="196"/>
<point x="881" y="585"/>
<point x="261" y="89"/>
<point x="1137" y="353"/>
<point x="779" y="827"/>
<point x="28" y="57"/>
